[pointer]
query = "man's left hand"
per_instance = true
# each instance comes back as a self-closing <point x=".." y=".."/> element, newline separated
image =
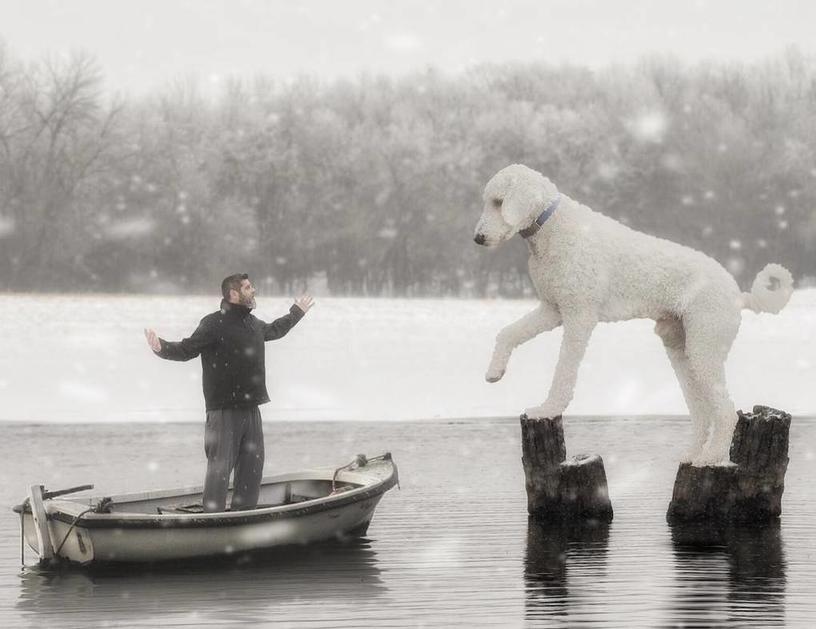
<point x="304" y="302"/>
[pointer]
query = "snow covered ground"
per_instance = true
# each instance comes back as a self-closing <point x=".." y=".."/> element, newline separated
<point x="83" y="358"/>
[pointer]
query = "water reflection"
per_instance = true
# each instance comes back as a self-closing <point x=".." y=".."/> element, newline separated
<point x="237" y="589"/>
<point x="732" y="574"/>
<point x="555" y="550"/>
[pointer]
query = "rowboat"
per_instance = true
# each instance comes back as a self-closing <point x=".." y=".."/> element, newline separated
<point x="154" y="526"/>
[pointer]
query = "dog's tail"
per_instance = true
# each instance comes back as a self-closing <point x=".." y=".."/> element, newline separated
<point x="770" y="291"/>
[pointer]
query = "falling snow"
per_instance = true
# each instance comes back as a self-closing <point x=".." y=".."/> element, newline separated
<point x="735" y="266"/>
<point x="6" y="226"/>
<point x="650" y="126"/>
<point x="130" y="228"/>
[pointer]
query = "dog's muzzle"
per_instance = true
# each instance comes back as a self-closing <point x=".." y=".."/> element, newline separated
<point x="479" y="239"/>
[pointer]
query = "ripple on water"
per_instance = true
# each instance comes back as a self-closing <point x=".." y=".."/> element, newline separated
<point x="453" y="547"/>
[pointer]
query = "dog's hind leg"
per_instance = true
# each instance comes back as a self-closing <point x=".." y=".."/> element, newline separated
<point x="671" y="332"/>
<point x="717" y="450"/>
<point x="578" y="328"/>
<point x="542" y="319"/>
<point x="708" y="341"/>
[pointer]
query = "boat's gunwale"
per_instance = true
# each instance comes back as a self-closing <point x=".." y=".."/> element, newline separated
<point x="59" y="509"/>
<point x="158" y="494"/>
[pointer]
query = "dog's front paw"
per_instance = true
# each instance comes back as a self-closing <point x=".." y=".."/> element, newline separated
<point x="495" y="371"/>
<point x="545" y="411"/>
<point x="494" y="375"/>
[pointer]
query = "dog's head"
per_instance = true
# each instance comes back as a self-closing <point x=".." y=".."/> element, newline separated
<point x="513" y="199"/>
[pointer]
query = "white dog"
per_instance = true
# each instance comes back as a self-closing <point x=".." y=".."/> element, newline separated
<point x="588" y="268"/>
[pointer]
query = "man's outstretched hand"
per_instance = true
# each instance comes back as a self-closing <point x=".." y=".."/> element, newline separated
<point x="152" y="340"/>
<point x="304" y="302"/>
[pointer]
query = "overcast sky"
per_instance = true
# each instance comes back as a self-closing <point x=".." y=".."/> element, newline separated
<point x="142" y="44"/>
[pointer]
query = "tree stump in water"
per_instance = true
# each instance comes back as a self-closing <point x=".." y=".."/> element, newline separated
<point x="751" y="490"/>
<point x="557" y="488"/>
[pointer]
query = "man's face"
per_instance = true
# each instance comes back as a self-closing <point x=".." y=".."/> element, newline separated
<point x="246" y="294"/>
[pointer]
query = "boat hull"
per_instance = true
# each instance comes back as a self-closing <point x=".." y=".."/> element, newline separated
<point x="139" y="529"/>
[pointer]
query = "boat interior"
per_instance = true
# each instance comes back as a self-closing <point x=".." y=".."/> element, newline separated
<point x="275" y="494"/>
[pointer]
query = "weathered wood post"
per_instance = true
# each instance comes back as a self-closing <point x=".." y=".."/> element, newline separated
<point x="557" y="488"/>
<point x="45" y="548"/>
<point x="750" y="491"/>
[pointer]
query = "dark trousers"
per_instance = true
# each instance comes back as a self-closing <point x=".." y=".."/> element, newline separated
<point x="233" y="438"/>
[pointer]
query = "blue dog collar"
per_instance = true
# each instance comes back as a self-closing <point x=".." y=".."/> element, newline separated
<point x="542" y="218"/>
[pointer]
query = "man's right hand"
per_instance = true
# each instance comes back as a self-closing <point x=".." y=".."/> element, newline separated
<point x="152" y="340"/>
<point x="304" y="302"/>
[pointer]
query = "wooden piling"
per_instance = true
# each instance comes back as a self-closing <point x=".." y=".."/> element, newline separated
<point x="748" y="492"/>
<point x="559" y="488"/>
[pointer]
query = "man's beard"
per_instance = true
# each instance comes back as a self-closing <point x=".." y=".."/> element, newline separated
<point x="249" y="302"/>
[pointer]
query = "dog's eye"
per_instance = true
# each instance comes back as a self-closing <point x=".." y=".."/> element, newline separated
<point x="497" y="203"/>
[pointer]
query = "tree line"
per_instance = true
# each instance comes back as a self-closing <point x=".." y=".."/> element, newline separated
<point x="373" y="186"/>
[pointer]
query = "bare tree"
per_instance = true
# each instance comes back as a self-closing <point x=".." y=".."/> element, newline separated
<point x="56" y="150"/>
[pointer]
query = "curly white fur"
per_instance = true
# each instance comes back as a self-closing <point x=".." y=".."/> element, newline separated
<point x="589" y="268"/>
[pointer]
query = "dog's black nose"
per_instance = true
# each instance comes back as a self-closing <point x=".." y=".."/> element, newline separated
<point x="479" y="238"/>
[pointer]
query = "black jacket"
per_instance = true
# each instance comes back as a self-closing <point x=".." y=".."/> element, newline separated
<point x="231" y="344"/>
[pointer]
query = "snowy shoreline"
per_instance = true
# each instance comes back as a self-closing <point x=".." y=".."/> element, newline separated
<point x="82" y="358"/>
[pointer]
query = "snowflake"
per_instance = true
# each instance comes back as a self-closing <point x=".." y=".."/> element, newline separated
<point x="735" y="265"/>
<point x="132" y="228"/>
<point x="6" y="226"/>
<point x="608" y="171"/>
<point x="650" y="126"/>
<point x="672" y="161"/>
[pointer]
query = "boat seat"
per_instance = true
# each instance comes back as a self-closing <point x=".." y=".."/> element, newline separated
<point x="193" y="508"/>
<point x="199" y="508"/>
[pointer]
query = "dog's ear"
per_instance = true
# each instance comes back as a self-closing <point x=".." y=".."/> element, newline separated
<point x="523" y="202"/>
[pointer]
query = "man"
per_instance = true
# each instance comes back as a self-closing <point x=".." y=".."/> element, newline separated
<point x="231" y="344"/>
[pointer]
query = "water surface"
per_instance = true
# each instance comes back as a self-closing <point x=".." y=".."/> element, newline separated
<point x="453" y="547"/>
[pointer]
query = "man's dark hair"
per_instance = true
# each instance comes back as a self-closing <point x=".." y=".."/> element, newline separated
<point x="232" y="282"/>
